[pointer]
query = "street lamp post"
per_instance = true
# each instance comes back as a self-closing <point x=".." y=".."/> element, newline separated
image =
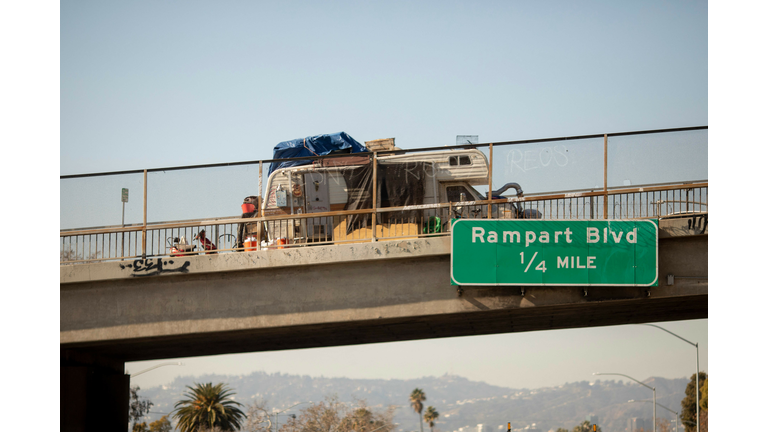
<point x="698" y="428"/>
<point x="642" y="384"/>
<point x="677" y="414"/>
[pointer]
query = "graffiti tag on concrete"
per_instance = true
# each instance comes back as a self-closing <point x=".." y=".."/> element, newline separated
<point x="698" y="223"/>
<point x="155" y="267"/>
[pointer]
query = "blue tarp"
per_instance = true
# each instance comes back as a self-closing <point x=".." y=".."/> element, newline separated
<point x="319" y="145"/>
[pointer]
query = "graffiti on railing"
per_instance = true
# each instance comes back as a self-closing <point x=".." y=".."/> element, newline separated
<point x="154" y="267"/>
<point x="532" y="159"/>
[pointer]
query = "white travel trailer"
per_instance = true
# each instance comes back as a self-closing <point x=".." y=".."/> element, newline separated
<point x="346" y="183"/>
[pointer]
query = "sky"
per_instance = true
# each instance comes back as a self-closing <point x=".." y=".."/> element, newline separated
<point x="152" y="84"/>
<point x="133" y="85"/>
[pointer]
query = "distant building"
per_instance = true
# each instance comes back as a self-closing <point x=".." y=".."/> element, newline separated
<point x="592" y="419"/>
<point x="636" y="423"/>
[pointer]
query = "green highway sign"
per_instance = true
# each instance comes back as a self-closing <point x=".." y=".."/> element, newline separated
<point x="554" y="252"/>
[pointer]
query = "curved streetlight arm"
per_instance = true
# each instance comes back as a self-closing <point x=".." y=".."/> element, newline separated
<point x="673" y="412"/>
<point x="627" y="376"/>
<point x="652" y="388"/>
<point x="157" y="366"/>
<point x="698" y="397"/>
<point x="681" y="338"/>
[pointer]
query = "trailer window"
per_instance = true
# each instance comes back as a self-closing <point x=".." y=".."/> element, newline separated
<point x="459" y="160"/>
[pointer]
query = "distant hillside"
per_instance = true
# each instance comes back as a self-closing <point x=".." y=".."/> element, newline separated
<point x="463" y="404"/>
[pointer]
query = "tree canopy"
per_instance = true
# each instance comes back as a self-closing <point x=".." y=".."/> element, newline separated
<point x="161" y="425"/>
<point x="208" y="406"/>
<point x="258" y="417"/>
<point x="417" y="399"/>
<point x="688" y="414"/>
<point x="430" y="416"/>
<point x="333" y="415"/>
<point x="585" y="426"/>
<point x="138" y="408"/>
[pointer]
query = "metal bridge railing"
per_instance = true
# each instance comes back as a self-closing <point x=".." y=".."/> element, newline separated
<point x="231" y="234"/>
<point x="113" y="243"/>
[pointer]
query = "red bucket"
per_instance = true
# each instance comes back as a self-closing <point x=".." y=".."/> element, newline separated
<point x="248" y="208"/>
<point x="282" y="241"/>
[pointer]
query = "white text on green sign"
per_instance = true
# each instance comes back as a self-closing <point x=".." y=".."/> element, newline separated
<point x="554" y="252"/>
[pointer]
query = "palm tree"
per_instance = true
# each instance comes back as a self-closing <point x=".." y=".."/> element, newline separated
<point x="208" y="406"/>
<point x="416" y="398"/>
<point x="430" y="416"/>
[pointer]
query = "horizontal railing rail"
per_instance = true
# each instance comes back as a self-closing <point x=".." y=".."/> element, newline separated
<point x="238" y="219"/>
<point x="612" y="188"/>
<point x="426" y="220"/>
<point x="388" y="152"/>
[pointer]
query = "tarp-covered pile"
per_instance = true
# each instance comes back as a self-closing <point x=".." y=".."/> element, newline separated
<point x="319" y="145"/>
<point x="399" y="185"/>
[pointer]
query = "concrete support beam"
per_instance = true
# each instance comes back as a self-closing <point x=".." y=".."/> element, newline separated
<point x="341" y="295"/>
<point x="93" y="393"/>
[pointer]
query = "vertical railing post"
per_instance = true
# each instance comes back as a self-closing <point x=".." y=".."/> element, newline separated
<point x="290" y="191"/>
<point x="259" y="211"/>
<point x="490" y="180"/>
<point x="144" y="228"/>
<point x="605" y="176"/>
<point x="122" y="241"/>
<point x="373" y="195"/>
<point x="258" y="204"/>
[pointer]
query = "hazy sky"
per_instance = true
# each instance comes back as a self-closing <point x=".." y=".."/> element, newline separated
<point x="152" y="84"/>
<point x="516" y="360"/>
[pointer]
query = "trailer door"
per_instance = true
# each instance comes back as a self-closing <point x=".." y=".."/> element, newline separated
<point x="317" y="201"/>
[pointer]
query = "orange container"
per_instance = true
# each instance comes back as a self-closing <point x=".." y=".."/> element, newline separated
<point x="250" y="244"/>
<point x="282" y="241"/>
<point x="248" y="208"/>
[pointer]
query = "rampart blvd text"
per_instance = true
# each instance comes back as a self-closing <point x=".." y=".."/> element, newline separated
<point x="554" y="252"/>
<point x="592" y="235"/>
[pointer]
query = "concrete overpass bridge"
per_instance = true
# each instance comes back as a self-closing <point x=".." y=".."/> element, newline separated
<point x="381" y="289"/>
<point x="329" y="295"/>
<point x="344" y="294"/>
